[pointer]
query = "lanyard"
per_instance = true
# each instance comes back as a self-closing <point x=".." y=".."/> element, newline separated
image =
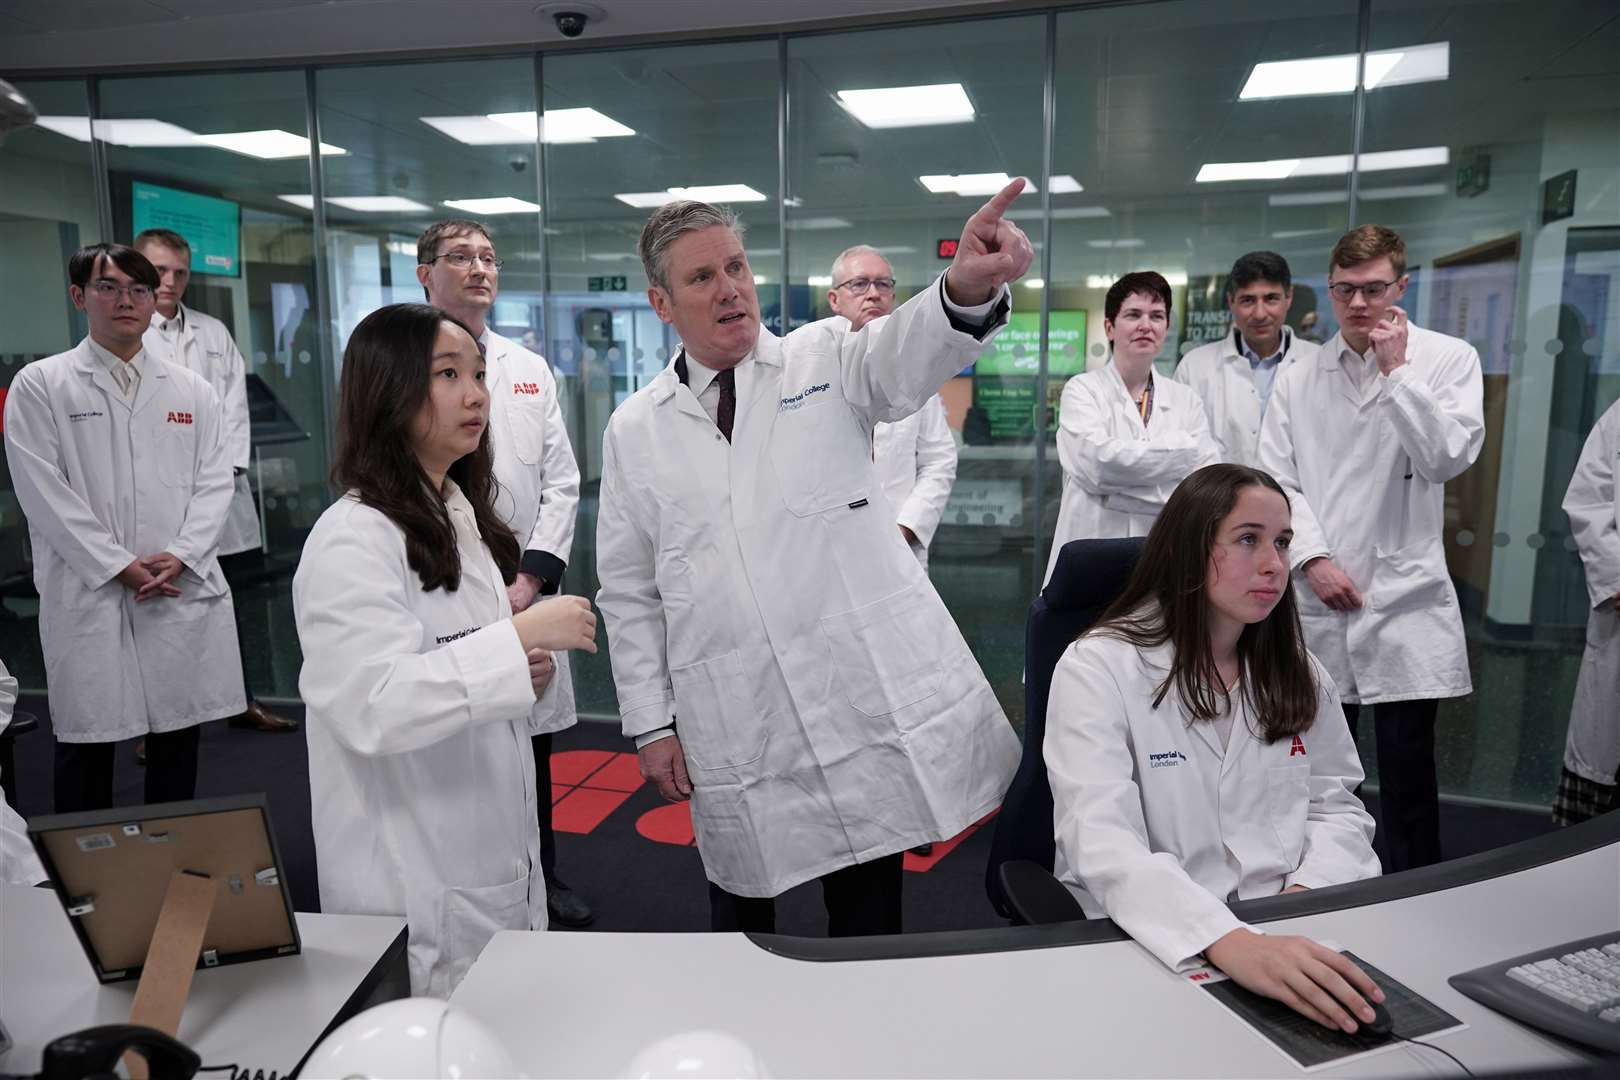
<point x="1145" y="406"/>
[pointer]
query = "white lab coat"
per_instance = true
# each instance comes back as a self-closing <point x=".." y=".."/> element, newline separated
<point x="916" y="466"/>
<point x="421" y="779"/>
<point x="204" y="345"/>
<point x="1220" y="375"/>
<point x="759" y="596"/>
<point x="1365" y="476"/>
<point x="19" y="863"/>
<point x="1117" y="472"/>
<point x="1157" y="825"/>
<point x="1592" y="749"/>
<point x="539" y="486"/>
<point x="103" y="480"/>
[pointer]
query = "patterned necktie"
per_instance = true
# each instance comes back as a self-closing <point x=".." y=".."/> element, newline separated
<point x="727" y="381"/>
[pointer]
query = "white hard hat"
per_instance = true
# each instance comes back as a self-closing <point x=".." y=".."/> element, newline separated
<point x="412" y="1038"/>
<point x="697" y="1055"/>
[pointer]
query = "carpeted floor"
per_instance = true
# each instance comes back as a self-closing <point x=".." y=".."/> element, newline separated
<point x="619" y="844"/>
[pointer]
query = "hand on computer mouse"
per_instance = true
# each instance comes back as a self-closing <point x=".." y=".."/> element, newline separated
<point x="1382" y="1024"/>
<point x="1309" y="978"/>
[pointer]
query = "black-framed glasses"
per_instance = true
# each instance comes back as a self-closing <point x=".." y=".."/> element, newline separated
<point x="462" y="259"/>
<point x="858" y="286"/>
<point x="108" y="289"/>
<point x="1345" y="291"/>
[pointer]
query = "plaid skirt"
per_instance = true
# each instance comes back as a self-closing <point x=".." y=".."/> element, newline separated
<point x="1579" y="798"/>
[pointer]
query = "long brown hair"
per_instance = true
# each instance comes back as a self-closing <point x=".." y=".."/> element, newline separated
<point x="387" y="369"/>
<point x="1164" y="600"/>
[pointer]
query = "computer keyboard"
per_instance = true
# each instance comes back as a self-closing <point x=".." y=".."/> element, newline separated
<point x="1572" y="990"/>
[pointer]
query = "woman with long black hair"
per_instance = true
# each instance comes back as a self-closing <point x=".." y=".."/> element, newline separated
<point x="1198" y="754"/>
<point x="417" y="677"/>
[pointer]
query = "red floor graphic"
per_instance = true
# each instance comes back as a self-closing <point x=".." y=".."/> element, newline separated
<point x="588" y="785"/>
<point x="672" y="824"/>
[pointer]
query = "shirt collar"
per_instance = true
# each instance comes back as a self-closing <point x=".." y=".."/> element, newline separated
<point x="170" y="326"/>
<point x="699" y="375"/>
<point x="1254" y="358"/>
<point x="111" y="362"/>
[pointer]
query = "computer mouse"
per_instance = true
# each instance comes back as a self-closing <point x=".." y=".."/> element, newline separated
<point x="1382" y="1024"/>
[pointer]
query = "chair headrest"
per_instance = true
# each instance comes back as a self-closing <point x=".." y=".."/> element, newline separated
<point x="1091" y="572"/>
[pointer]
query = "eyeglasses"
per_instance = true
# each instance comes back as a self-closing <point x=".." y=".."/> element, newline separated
<point x="858" y="286"/>
<point x="1345" y="291"/>
<point x="461" y="260"/>
<point x="108" y="289"/>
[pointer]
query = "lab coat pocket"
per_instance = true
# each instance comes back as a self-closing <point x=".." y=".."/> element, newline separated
<point x="471" y="916"/>
<point x="528" y="431"/>
<point x="1411" y="578"/>
<point x="1290" y="791"/>
<point x="176" y="448"/>
<point x="888" y="653"/>
<point x="718" y="724"/>
<point x="820" y="460"/>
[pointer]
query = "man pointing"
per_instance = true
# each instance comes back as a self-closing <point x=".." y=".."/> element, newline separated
<point x="779" y="655"/>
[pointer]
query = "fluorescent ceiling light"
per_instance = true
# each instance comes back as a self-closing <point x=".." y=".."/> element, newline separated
<point x="1130" y="242"/>
<point x="402" y="247"/>
<point x="1294" y="234"/>
<point x="761" y="279"/>
<point x="1329" y="165"/>
<point x="714" y="193"/>
<point x="818" y="281"/>
<point x="1099" y="281"/>
<point x="1337" y="74"/>
<point x="364" y="204"/>
<point x="908" y="106"/>
<point x="896" y="249"/>
<point x="1410" y="191"/>
<point x="1326" y="198"/>
<point x="503" y="204"/>
<point x="1034" y="283"/>
<point x="1309" y="198"/>
<point x="1062" y="213"/>
<point x="1066" y="185"/>
<point x="268" y="144"/>
<point x="611" y="256"/>
<point x="151" y="133"/>
<point x="816" y="223"/>
<point x="1176" y="277"/>
<point x="972" y="183"/>
<point x="516" y="128"/>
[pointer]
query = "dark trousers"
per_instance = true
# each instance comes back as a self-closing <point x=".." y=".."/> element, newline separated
<point x="861" y="899"/>
<point x="84" y="771"/>
<point x="542" y="790"/>
<point x="1408" y="789"/>
<point x="238" y="570"/>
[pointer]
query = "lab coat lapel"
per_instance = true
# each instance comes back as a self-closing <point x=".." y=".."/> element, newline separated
<point x="91" y="365"/>
<point x="759" y="393"/>
<point x="670" y="392"/>
<point x="154" y="377"/>
<point x="1335" y="372"/>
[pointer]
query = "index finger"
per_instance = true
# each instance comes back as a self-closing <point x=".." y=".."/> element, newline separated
<point x="992" y="211"/>
<point x="1352" y="973"/>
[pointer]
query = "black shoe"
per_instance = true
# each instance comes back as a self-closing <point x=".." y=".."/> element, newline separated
<point x="924" y="850"/>
<point x="565" y="907"/>
<point x="140" y="752"/>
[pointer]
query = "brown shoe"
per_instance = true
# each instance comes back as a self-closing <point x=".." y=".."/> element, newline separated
<point x="260" y="718"/>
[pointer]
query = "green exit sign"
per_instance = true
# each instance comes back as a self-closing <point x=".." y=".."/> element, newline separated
<point x="613" y="283"/>
<point x="1473" y="173"/>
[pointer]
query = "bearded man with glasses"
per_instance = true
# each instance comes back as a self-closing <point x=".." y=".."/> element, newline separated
<point x="118" y="462"/>
<point x="1363" y="438"/>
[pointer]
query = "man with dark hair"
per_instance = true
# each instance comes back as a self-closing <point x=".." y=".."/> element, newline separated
<point x="1234" y="376"/>
<point x="539" y="486"/>
<point x="1125" y="438"/>
<point x="118" y="463"/>
<point x="780" y="657"/>
<point x="1364" y="437"/>
<point x="201" y="343"/>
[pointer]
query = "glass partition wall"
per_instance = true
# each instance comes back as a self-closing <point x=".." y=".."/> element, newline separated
<point x="1172" y="136"/>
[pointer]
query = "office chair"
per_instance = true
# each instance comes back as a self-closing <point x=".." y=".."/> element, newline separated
<point x="1089" y="575"/>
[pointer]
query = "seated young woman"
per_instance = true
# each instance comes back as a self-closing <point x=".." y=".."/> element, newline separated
<point x="1198" y="754"/>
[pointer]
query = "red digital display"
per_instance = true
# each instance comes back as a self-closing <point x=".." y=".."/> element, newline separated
<point x="947" y="249"/>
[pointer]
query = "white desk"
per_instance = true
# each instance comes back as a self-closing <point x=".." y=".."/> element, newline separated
<point x="263" y="1014"/>
<point x="583" y="1004"/>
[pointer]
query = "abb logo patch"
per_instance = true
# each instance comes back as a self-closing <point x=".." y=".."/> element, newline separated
<point x="1198" y="976"/>
<point x="179" y="417"/>
<point x="529" y="389"/>
<point x="588" y="785"/>
<point x="1298" y="747"/>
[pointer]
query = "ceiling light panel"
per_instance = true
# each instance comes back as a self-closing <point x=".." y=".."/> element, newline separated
<point x="1328" y="165"/>
<point x="1337" y="74"/>
<point x="136" y="132"/>
<point x="814" y="224"/>
<point x="908" y="106"/>
<point x="711" y="193"/>
<point x="503" y="204"/>
<point x="268" y="145"/>
<point x="583" y="125"/>
<point x="1066" y="185"/>
<point x="975" y="184"/>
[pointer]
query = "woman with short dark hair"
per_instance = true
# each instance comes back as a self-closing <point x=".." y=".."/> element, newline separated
<point x="1198" y="754"/>
<point x="418" y="678"/>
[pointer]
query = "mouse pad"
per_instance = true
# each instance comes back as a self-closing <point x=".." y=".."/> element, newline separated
<point x="1310" y="1045"/>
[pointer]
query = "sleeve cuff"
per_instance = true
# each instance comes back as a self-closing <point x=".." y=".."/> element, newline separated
<point x="654" y="736"/>
<point x="979" y="319"/>
<point x="545" y="566"/>
<point x="496" y="672"/>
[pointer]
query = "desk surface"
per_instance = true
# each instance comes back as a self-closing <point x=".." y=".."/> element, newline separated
<point x="583" y="1004"/>
<point x="264" y="1015"/>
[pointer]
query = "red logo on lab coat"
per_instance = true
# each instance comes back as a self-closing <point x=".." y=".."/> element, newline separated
<point x="1298" y="747"/>
<point x="179" y="417"/>
<point x="526" y="388"/>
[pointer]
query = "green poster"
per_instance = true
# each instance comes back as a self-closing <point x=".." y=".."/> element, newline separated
<point x="1016" y="350"/>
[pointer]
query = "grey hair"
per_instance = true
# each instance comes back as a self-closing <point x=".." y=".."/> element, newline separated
<point x="849" y="253"/>
<point x="672" y="221"/>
